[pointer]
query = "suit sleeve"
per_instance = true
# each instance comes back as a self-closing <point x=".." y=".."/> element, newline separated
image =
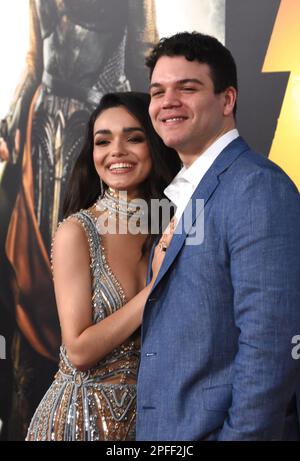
<point x="263" y="237"/>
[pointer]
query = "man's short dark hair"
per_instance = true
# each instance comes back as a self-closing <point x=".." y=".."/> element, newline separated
<point x="203" y="48"/>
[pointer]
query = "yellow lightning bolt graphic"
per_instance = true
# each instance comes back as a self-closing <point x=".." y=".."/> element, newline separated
<point x="283" y="55"/>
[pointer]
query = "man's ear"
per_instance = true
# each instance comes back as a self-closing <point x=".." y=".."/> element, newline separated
<point x="229" y="100"/>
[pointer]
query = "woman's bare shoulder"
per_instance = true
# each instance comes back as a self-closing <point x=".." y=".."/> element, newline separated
<point x="70" y="235"/>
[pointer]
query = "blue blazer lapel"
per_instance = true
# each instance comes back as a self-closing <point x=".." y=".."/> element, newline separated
<point x="204" y="191"/>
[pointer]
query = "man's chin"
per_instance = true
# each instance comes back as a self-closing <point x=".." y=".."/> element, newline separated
<point x="170" y="141"/>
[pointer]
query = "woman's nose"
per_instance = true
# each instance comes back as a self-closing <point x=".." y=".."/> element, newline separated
<point x="118" y="149"/>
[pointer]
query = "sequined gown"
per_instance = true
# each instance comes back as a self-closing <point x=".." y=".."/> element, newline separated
<point x="100" y="403"/>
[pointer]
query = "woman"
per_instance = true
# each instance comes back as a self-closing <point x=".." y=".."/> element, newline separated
<point x="78" y="51"/>
<point x="100" y="277"/>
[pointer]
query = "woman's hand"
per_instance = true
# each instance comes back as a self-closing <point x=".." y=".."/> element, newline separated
<point x="161" y="249"/>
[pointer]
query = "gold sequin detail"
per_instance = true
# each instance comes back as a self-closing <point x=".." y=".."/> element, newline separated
<point x="99" y="404"/>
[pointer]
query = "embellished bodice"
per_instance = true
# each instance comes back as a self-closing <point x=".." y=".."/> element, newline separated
<point x="107" y="297"/>
<point x="99" y="403"/>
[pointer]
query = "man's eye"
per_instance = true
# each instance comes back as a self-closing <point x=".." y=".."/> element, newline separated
<point x="188" y="88"/>
<point x="156" y="93"/>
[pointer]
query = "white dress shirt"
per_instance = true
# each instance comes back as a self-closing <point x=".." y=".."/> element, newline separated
<point x="181" y="189"/>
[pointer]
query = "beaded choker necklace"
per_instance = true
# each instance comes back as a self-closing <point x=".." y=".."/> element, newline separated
<point x="116" y="203"/>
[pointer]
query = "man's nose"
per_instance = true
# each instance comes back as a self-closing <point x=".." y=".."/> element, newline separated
<point x="171" y="99"/>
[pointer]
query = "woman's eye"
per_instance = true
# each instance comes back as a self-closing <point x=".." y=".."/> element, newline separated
<point x="136" y="139"/>
<point x="101" y="142"/>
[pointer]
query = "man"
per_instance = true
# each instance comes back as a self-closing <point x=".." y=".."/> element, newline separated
<point x="216" y="359"/>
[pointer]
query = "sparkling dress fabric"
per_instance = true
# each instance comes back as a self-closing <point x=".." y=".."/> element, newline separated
<point x="100" y="403"/>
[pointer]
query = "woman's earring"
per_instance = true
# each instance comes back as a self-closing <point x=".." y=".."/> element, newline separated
<point x="101" y="188"/>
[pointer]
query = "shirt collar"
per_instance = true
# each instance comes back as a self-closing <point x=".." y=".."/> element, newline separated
<point x="199" y="167"/>
<point x="186" y="181"/>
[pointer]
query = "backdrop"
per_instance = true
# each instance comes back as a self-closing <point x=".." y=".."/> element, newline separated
<point x="44" y="109"/>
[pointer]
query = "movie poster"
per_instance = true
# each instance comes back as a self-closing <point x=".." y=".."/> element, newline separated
<point x="264" y="39"/>
<point x="58" y="57"/>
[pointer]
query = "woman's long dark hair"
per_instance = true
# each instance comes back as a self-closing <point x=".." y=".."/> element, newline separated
<point x="84" y="185"/>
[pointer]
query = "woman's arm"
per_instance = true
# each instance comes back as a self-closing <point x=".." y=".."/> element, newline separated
<point x="87" y="343"/>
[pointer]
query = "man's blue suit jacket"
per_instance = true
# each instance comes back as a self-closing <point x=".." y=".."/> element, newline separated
<point x="216" y="360"/>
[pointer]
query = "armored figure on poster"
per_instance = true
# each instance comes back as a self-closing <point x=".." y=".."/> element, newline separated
<point x="79" y="50"/>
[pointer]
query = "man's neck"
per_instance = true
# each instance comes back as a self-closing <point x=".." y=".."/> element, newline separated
<point x="189" y="158"/>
